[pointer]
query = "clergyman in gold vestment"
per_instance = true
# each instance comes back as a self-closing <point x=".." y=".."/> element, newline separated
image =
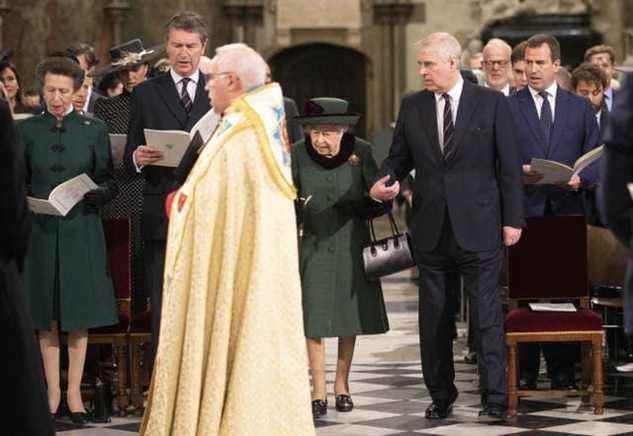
<point x="231" y="358"/>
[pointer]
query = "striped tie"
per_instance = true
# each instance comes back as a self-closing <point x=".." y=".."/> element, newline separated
<point x="184" y="95"/>
<point x="449" y="128"/>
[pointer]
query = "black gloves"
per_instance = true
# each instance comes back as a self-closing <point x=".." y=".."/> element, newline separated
<point x="96" y="198"/>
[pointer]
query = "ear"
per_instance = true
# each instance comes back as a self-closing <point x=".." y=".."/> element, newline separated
<point x="556" y="64"/>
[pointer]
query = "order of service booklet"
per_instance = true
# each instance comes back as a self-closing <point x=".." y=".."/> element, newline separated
<point x="555" y="172"/>
<point x="64" y="197"/>
<point x="117" y="145"/>
<point x="174" y="143"/>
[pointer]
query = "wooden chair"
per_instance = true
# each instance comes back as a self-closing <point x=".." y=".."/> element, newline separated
<point x="550" y="262"/>
<point x="119" y="255"/>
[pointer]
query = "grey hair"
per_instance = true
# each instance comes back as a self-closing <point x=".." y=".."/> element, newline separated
<point x="497" y="42"/>
<point x="242" y="60"/>
<point x="444" y="43"/>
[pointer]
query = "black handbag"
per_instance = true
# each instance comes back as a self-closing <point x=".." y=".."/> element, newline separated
<point x="389" y="255"/>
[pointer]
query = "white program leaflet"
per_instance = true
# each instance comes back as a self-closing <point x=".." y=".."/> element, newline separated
<point x="553" y="307"/>
<point x="172" y="143"/>
<point x="117" y="144"/>
<point x="64" y="197"/>
<point x="555" y="172"/>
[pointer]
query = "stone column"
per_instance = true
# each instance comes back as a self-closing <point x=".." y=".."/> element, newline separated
<point x="392" y="16"/>
<point x="245" y="17"/>
<point x="4" y="11"/>
<point x="116" y="10"/>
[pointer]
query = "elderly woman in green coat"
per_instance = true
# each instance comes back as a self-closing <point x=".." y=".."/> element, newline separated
<point x="67" y="284"/>
<point x="333" y="170"/>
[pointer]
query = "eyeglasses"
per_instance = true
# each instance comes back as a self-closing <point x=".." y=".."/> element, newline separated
<point x="210" y="76"/>
<point x="503" y="63"/>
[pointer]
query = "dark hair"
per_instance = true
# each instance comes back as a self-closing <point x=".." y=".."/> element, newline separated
<point x="64" y="54"/>
<point x="590" y="73"/>
<point x="599" y="49"/>
<point x="518" y="52"/>
<point x="62" y="66"/>
<point x="31" y="91"/>
<point x="87" y="50"/>
<point x="190" y="22"/>
<point x="539" y="39"/>
<point x="3" y="66"/>
<point x="108" y="81"/>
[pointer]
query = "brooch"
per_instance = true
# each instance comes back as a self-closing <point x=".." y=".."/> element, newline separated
<point x="354" y="160"/>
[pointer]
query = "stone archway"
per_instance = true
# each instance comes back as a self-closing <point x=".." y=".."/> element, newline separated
<point x="323" y="70"/>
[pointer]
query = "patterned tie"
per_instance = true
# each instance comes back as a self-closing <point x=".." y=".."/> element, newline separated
<point x="546" y="119"/>
<point x="184" y="95"/>
<point x="449" y="128"/>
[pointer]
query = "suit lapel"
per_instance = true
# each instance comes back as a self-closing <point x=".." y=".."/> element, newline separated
<point x="201" y="103"/>
<point x="464" y="113"/>
<point x="426" y="111"/>
<point x="560" y="119"/>
<point x="528" y="110"/>
<point x="169" y="94"/>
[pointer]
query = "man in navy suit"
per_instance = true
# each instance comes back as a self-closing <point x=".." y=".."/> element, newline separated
<point x="173" y="101"/>
<point x="459" y="137"/>
<point x="552" y="124"/>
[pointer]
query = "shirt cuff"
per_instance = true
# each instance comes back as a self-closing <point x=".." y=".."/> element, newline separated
<point x="136" y="166"/>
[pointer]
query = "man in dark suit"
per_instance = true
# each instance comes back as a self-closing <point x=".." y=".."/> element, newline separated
<point x="466" y="205"/>
<point x="173" y="101"/>
<point x="497" y="54"/>
<point x="551" y="124"/>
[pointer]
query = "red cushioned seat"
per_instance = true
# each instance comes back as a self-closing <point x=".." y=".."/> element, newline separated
<point x="526" y="320"/>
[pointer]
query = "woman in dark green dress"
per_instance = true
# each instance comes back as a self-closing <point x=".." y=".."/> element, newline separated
<point x="333" y="170"/>
<point x="65" y="272"/>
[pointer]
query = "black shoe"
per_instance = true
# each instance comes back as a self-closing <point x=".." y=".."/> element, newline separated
<point x="527" y="384"/>
<point x="440" y="409"/>
<point x="344" y="403"/>
<point x="494" y="410"/>
<point x="79" y="418"/>
<point x="319" y="408"/>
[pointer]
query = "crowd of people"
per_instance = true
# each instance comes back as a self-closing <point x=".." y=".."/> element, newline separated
<point x="214" y="240"/>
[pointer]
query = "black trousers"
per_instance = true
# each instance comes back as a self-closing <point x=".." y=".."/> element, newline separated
<point x="154" y="260"/>
<point x="480" y="272"/>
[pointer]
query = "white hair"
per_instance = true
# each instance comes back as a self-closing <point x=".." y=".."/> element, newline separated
<point x="444" y="43"/>
<point x="500" y="43"/>
<point x="242" y="60"/>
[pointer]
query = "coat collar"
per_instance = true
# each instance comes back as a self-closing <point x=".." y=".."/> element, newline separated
<point x="347" y="148"/>
<point x="169" y="94"/>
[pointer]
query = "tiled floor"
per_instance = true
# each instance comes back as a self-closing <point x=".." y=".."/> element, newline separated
<point x="390" y="396"/>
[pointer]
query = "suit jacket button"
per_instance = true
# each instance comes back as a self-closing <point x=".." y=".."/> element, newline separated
<point x="331" y="249"/>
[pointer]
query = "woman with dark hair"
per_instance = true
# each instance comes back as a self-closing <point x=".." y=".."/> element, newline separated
<point x="10" y="88"/>
<point x="65" y="270"/>
<point x="111" y="85"/>
<point x="21" y="369"/>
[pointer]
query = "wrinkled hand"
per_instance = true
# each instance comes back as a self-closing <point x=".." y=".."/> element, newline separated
<point x="531" y="177"/>
<point x="511" y="235"/>
<point x="145" y="155"/>
<point x="380" y="190"/>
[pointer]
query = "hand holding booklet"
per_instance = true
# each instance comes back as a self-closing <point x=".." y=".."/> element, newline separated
<point x="64" y="197"/>
<point x="174" y="143"/>
<point x="555" y="172"/>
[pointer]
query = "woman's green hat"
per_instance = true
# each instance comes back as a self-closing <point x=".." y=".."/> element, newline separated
<point x="327" y="110"/>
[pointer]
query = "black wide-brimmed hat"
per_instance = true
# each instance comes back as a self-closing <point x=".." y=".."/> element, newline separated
<point x="327" y="110"/>
<point x="128" y="55"/>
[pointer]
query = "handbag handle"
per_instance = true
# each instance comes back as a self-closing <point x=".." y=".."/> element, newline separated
<point x="392" y="223"/>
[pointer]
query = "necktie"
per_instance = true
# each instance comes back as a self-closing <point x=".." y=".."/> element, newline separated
<point x="184" y="95"/>
<point x="546" y="118"/>
<point x="449" y="128"/>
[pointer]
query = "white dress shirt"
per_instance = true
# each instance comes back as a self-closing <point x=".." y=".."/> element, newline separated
<point x="454" y="95"/>
<point x="551" y="97"/>
<point x="608" y="98"/>
<point x="191" y="85"/>
<point x="505" y="90"/>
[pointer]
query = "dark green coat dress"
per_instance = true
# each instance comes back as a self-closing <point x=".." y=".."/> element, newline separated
<point x="65" y="272"/>
<point x="337" y="298"/>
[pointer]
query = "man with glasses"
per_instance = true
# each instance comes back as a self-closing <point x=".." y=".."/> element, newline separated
<point x="497" y="65"/>
<point x="173" y="101"/>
